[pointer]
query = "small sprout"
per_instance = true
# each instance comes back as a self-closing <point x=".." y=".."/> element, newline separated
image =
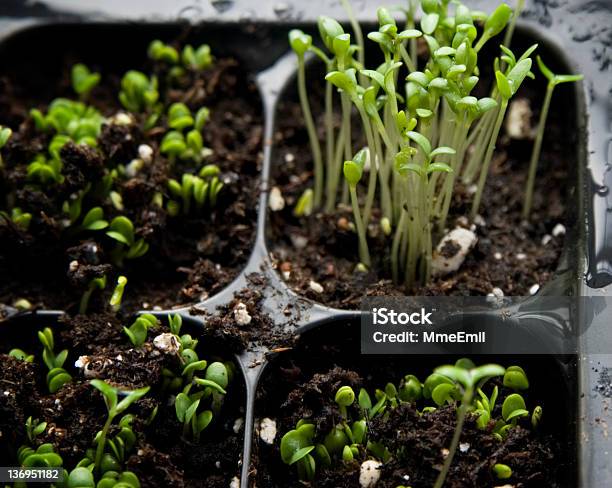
<point x="43" y="457"/>
<point x="513" y="408"/>
<point x="411" y="389"/>
<point x="114" y="407"/>
<point x="5" y="135"/>
<point x="121" y="229"/>
<point x="301" y="43"/>
<point x="34" y="428"/>
<point x="516" y="379"/>
<point x="553" y="81"/>
<point x="45" y="171"/>
<point x="21" y="355"/>
<point x="22" y="304"/>
<point x="295" y="448"/>
<point x="138" y="92"/>
<point x="197" y="59"/>
<point x="83" y="80"/>
<point x="345" y="397"/>
<point x="137" y="332"/>
<point x="57" y="375"/>
<point x="95" y="284"/>
<point x="186" y="412"/>
<point x="179" y="117"/>
<point x="158" y="51"/>
<point x="305" y="204"/>
<point x="536" y="417"/>
<point x="94" y="220"/>
<point x="353" y="170"/>
<point x="117" y="296"/>
<point x="202" y="190"/>
<point x="20" y="218"/>
<point x="467" y="379"/>
<point x="502" y="471"/>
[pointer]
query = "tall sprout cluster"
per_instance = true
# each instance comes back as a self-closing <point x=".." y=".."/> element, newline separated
<point x="422" y="125"/>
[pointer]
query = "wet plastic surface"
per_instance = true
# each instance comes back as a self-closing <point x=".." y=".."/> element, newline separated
<point x="579" y="32"/>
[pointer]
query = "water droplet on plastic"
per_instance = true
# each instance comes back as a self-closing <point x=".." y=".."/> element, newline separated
<point x="283" y="10"/>
<point x="191" y="13"/>
<point x="603" y="190"/>
<point x="222" y="6"/>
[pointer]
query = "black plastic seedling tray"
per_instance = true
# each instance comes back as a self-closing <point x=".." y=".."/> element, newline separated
<point x="578" y="34"/>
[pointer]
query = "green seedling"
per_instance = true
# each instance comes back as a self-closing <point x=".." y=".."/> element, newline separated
<point x="345" y="397"/>
<point x="507" y="85"/>
<point x="121" y="229"/>
<point x="45" y="171"/>
<point x="516" y="378"/>
<point x="186" y="412"/>
<point x="353" y="171"/>
<point x="553" y="81"/>
<point x="467" y="380"/>
<point x="117" y="295"/>
<point x="405" y="114"/>
<point x="5" y="135"/>
<point x="74" y="120"/>
<point x="83" y="80"/>
<point x="296" y="447"/>
<point x="21" y="355"/>
<point x="195" y="191"/>
<point x="197" y="59"/>
<point x="18" y="217"/>
<point x="301" y="43"/>
<point x="114" y="407"/>
<point x="502" y="471"/>
<point x="305" y="204"/>
<point x="138" y="92"/>
<point x="57" y="375"/>
<point x="158" y="51"/>
<point x="137" y="332"/>
<point x="98" y="283"/>
<point x="34" y="428"/>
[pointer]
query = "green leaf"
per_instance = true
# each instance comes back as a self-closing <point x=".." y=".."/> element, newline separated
<point x="291" y="443"/>
<point x="299" y="41"/>
<point x="109" y="393"/>
<point x="5" y="135"/>
<point x="409" y="34"/>
<point x="487" y="371"/>
<point x="503" y="85"/>
<point x="518" y="74"/>
<point x="342" y="81"/>
<point x="374" y="75"/>
<point x="300" y="453"/>
<point x="203" y="420"/>
<point x="364" y="399"/>
<point x="421" y="140"/>
<point x="497" y="21"/>
<point x="444" y="393"/>
<point x="429" y="22"/>
<point x="181" y="404"/>
<point x="502" y="471"/>
<point x="329" y="29"/>
<point x="121" y="229"/>
<point x="511" y="403"/>
<point x="439" y="167"/>
<point x="517" y="414"/>
<point x="568" y="78"/>
<point x="212" y="384"/>
<point x="131" y="397"/>
<point x="515" y="378"/>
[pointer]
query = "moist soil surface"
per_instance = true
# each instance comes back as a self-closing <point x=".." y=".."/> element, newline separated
<point x="511" y="253"/>
<point x="161" y="457"/>
<point x="190" y="256"/>
<point x="302" y="385"/>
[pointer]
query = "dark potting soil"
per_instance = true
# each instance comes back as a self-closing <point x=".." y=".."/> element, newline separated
<point x="420" y="442"/>
<point x="190" y="257"/>
<point x="160" y="457"/>
<point x="511" y="254"/>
